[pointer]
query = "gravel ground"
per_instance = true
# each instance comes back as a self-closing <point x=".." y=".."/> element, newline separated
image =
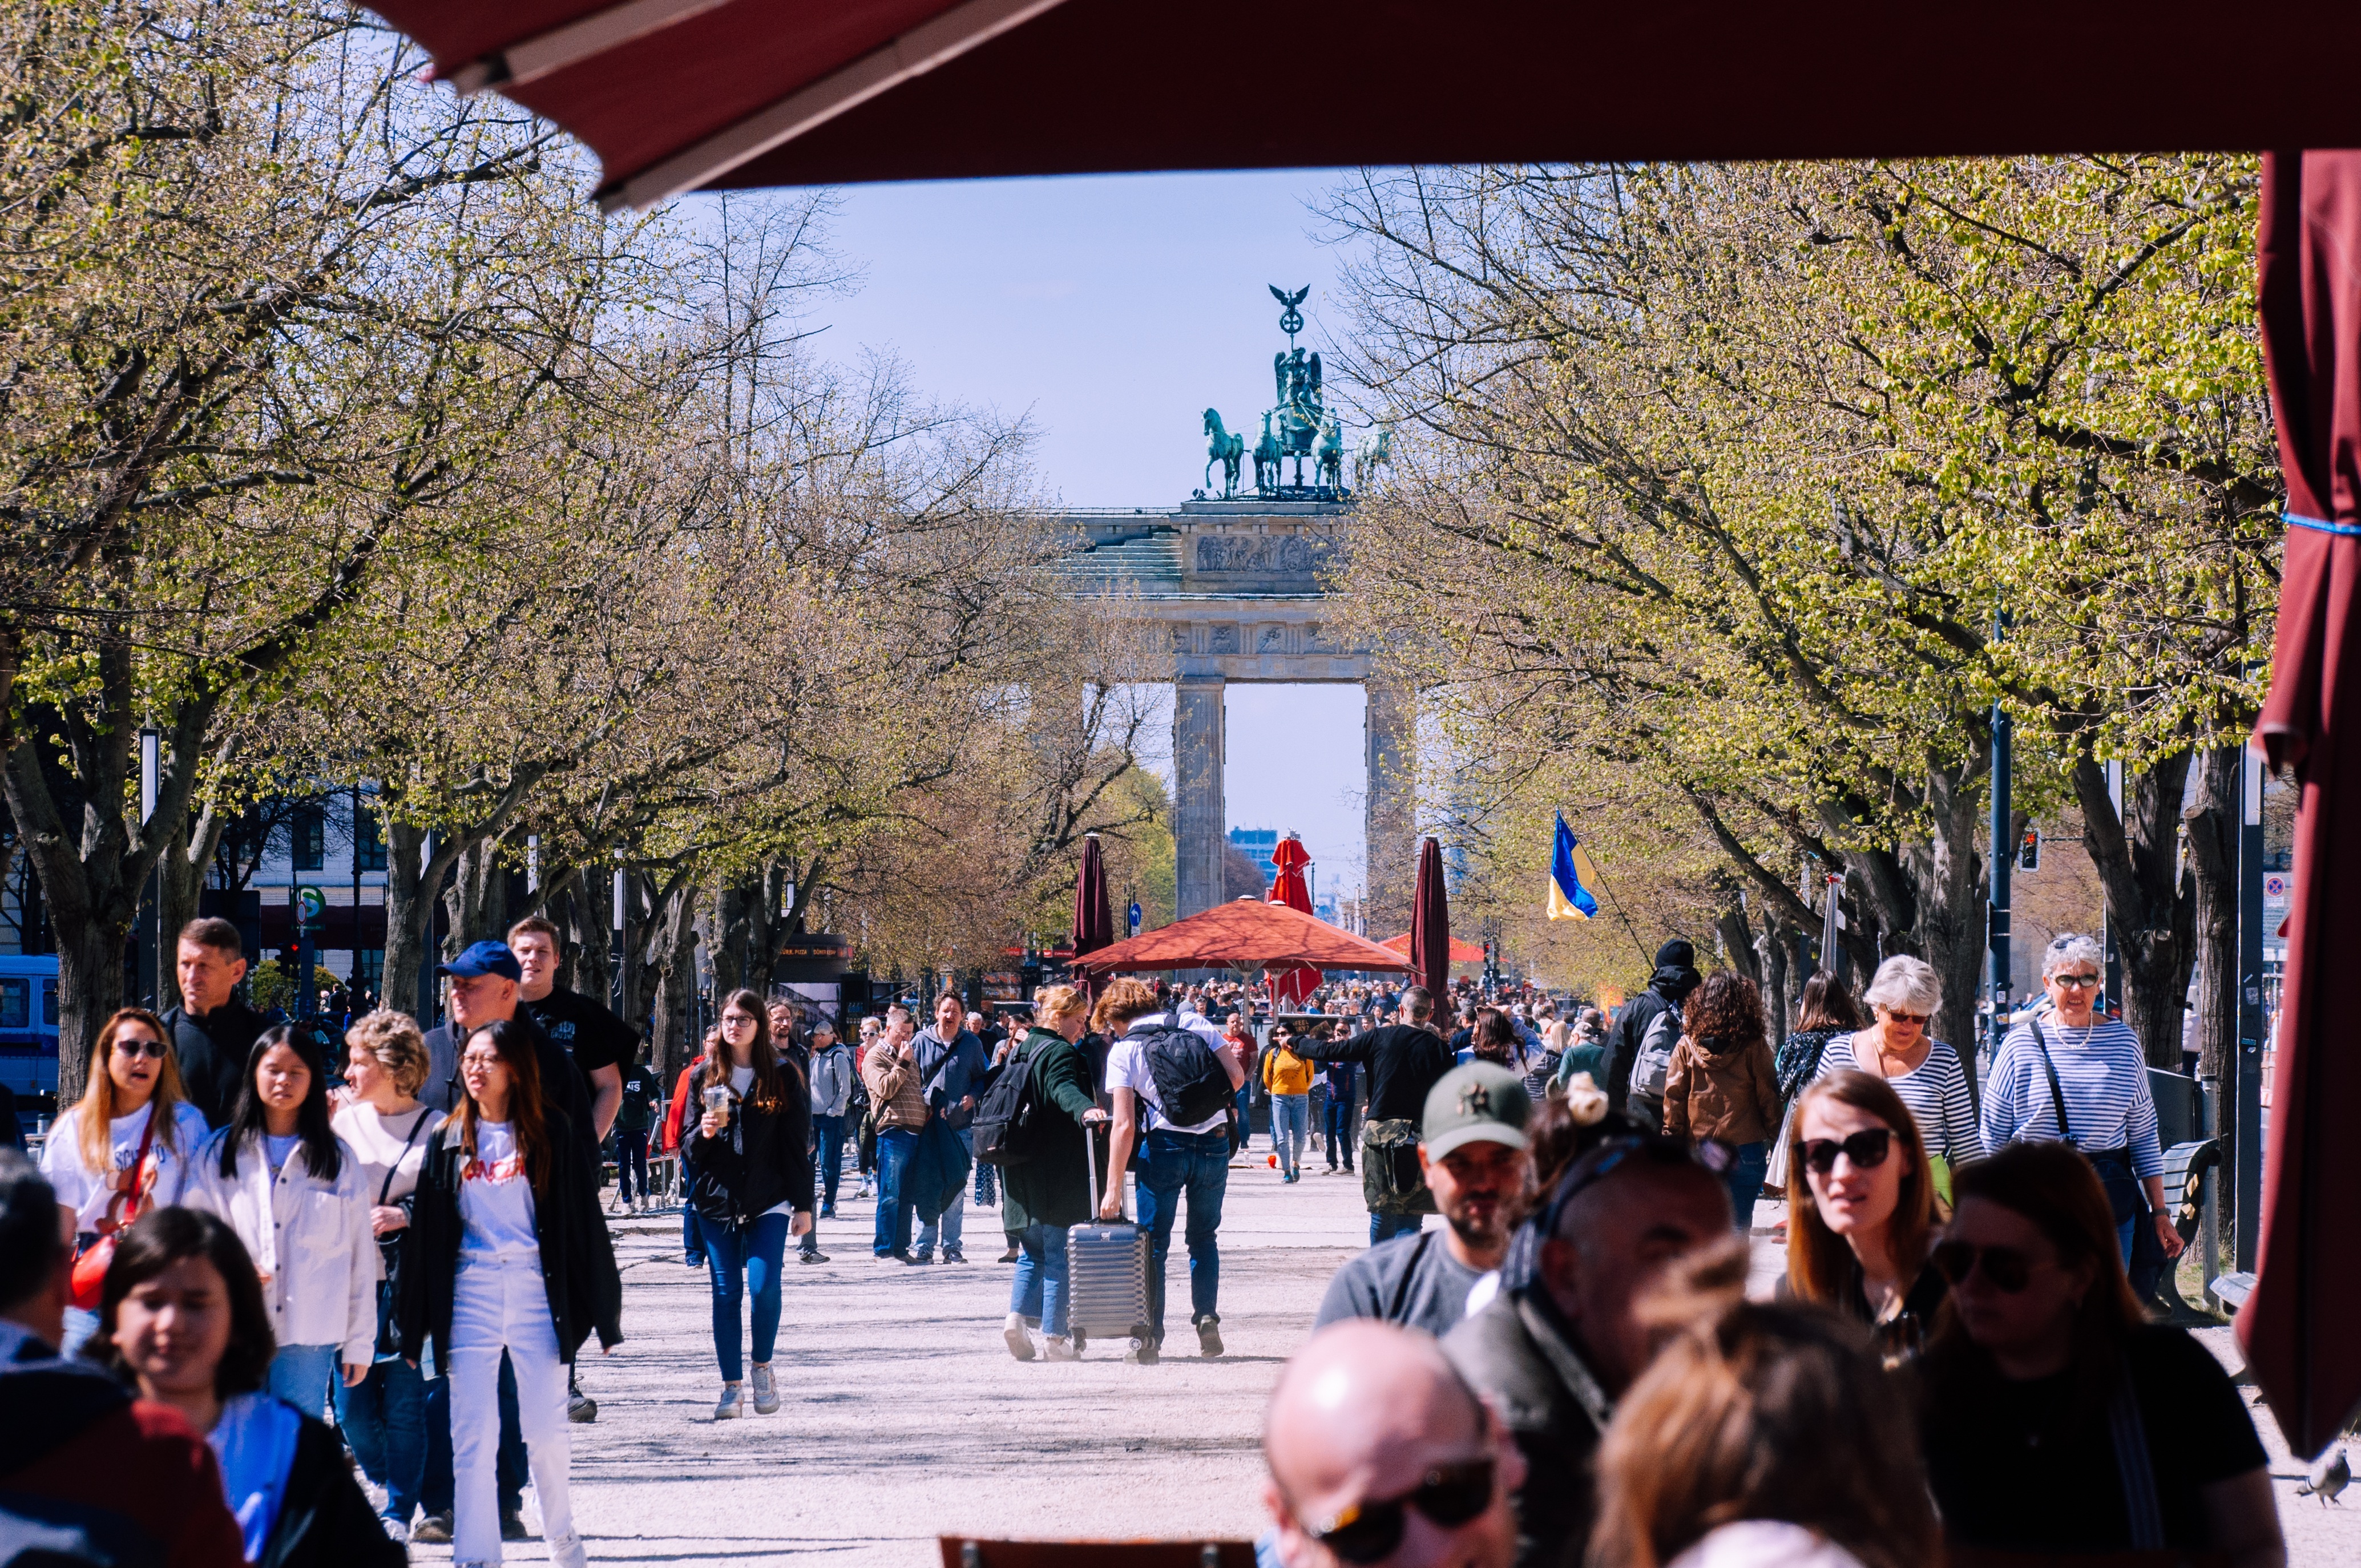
<point x="905" y="1417"/>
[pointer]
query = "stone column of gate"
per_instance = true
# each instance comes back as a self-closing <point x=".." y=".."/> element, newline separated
<point x="1391" y="858"/>
<point x="1198" y="741"/>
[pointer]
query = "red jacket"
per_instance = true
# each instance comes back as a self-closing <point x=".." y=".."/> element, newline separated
<point x="146" y="1462"/>
<point x="680" y="1104"/>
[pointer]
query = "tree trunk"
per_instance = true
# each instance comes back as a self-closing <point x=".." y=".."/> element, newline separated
<point x="586" y="911"/>
<point x="413" y="881"/>
<point x="1771" y="955"/>
<point x="1737" y="942"/>
<point x="185" y="860"/>
<point x="671" y="951"/>
<point x="721" y="914"/>
<point x="477" y="899"/>
<point x="2213" y="824"/>
<point x="2150" y="900"/>
<point x="89" y="988"/>
<point x="1944" y="872"/>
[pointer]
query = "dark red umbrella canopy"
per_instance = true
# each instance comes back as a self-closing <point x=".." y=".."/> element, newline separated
<point x="1429" y="923"/>
<point x="687" y="95"/>
<point x="2296" y="1325"/>
<point x="1244" y="933"/>
<point x="1093" y="926"/>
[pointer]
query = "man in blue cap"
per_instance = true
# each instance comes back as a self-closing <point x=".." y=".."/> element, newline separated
<point x="483" y="982"/>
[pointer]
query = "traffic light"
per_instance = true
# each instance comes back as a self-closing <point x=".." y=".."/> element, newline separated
<point x="2029" y="853"/>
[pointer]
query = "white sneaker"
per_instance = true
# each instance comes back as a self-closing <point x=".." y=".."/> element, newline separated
<point x="567" y="1551"/>
<point x="732" y="1404"/>
<point x="1058" y="1347"/>
<point x="766" y="1390"/>
<point x="1019" y="1338"/>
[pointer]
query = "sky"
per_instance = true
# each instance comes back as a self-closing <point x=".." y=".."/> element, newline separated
<point x="1112" y="311"/>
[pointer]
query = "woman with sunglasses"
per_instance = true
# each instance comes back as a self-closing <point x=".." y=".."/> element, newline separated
<point x="1861" y="1211"/>
<point x="126" y="1147"/>
<point x="1905" y="994"/>
<point x="2073" y="1075"/>
<point x="2057" y="1418"/>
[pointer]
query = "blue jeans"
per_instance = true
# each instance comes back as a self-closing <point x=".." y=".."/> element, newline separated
<point x="384" y="1419"/>
<point x="894" y="1147"/>
<point x="301" y="1373"/>
<point x="1039" y="1290"/>
<point x="1745" y="1180"/>
<point x="1196" y="1164"/>
<point x="1290" y="1128"/>
<point x="827" y="1135"/>
<point x="1246" y="1116"/>
<point x="692" y="1238"/>
<point x="950" y="1220"/>
<point x="437" y="1492"/>
<point x="1337" y="1122"/>
<point x="745" y="1256"/>
<point x="1386" y="1227"/>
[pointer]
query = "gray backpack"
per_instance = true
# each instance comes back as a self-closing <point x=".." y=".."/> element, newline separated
<point x="1653" y="1064"/>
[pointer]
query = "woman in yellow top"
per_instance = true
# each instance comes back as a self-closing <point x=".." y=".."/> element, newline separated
<point x="1287" y="1077"/>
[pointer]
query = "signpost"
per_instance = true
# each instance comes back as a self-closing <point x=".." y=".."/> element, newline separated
<point x="307" y="904"/>
<point x="1134" y="919"/>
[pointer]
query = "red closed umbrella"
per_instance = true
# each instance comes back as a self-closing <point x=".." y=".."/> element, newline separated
<point x="1430" y="924"/>
<point x="2296" y="1325"/>
<point x="1290" y="987"/>
<point x="1093" y="926"/>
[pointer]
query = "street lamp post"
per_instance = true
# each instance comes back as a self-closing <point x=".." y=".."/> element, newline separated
<point x="2000" y="857"/>
<point x="151" y="942"/>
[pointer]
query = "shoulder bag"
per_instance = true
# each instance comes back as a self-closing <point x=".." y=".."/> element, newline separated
<point x="388" y="1249"/>
<point x="90" y="1268"/>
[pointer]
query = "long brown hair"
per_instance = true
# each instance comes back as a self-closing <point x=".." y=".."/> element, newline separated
<point x="97" y="1103"/>
<point x="515" y="1046"/>
<point x="1829" y="1005"/>
<point x="2054" y="1188"/>
<point x="1763" y="1411"/>
<point x="1819" y="1264"/>
<point x="770" y="1088"/>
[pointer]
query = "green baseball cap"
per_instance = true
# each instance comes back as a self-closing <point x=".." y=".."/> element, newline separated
<point x="1480" y="1103"/>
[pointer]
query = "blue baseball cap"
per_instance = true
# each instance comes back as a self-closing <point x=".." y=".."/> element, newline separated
<point x="484" y="958"/>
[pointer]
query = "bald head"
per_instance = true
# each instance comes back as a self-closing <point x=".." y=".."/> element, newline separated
<point x="1361" y="1417"/>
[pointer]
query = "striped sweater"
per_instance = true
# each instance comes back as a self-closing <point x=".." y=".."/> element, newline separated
<point x="2104" y="1075"/>
<point x="1936" y="1090"/>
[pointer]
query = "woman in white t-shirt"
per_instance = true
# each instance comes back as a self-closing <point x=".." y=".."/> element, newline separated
<point x="291" y="1190"/>
<point x="507" y="1251"/>
<point x="125" y="1147"/>
<point x="384" y="1415"/>
<point x="750" y="1183"/>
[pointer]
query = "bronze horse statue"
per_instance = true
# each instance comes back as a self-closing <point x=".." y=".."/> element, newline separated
<point x="1227" y="450"/>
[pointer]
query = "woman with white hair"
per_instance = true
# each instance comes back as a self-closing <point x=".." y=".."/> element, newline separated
<point x="2073" y="1074"/>
<point x="1899" y="1047"/>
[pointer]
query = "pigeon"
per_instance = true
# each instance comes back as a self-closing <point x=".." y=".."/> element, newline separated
<point x="2330" y="1475"/>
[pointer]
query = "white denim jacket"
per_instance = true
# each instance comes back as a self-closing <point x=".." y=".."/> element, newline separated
<point x="310" y="1240"/>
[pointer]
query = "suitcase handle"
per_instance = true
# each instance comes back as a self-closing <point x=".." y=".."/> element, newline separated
<point x="1090" y="1168"/>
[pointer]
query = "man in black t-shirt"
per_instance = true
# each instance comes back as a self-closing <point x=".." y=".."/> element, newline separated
<point x="1405" y="1060"/>
<point x="597" y="1041"/>
<point x="642" y="1090"/>
<point x="212" y="1031"/>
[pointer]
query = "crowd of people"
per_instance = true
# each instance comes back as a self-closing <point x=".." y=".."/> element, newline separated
<point x="231" y="1241"/>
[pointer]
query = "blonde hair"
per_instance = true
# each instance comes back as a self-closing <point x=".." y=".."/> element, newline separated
<point x="1059" y="1001"/>
<point x="97" y="1103"/>
<point x="392" y="1037"/>
<point x="1124" y="1000"/>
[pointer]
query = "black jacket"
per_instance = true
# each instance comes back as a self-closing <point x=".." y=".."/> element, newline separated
<point x="762" y="1160"/>
<point x="1514" y="1351"/>
<point x="1664" y="993"/>
<point x="1404" y="1060"/>
<point x="211" y="1052"/>
<point x="577" y="1257"/>
<point x="326" y="1520"/>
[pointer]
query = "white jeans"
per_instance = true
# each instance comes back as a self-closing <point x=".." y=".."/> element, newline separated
<point x="501" y="1303"/>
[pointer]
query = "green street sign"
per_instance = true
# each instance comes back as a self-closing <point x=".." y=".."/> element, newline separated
<point x="312" y="903"/>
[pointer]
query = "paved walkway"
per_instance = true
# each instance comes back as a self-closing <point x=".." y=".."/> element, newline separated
<point x="905" y="1417"/>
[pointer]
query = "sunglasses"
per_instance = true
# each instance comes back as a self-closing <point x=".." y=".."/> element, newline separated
<point x="1371" y="1530"/>
<point x="2077" y="982"/>
<point x="1893" y="1017"/>
<point x="155" y="1049"/>
<point x="2006" y="1268"/>
<point x="1867" y="1149"/>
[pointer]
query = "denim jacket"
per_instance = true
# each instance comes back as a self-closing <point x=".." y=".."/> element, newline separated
<point x="952" y="1073"/>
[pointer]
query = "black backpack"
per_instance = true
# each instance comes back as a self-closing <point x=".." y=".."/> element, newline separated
<point x="1003" y="1128"/>
<point x="1191" y="1084"/>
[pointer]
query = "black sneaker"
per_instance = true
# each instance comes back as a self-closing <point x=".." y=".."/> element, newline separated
<point x="581" y="1407"/>
<point x="433" y="1529"/>
<point x="512" y="1524"/>
<point x="1142" y="1353"/>
<point x="810" y="1254"/>
<point x="954" y="1257"/>
<point x="1209" y="1336"/>
<point x="693" y="1261"/>
<point x="920" y="1260"/>
<point x="828" y="1212"/>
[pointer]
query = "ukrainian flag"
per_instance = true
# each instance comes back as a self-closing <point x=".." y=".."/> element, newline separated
<point x="1568" y="899"/>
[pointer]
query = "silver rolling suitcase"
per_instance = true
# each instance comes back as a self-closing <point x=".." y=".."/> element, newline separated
<point x="1106" y="1268"/>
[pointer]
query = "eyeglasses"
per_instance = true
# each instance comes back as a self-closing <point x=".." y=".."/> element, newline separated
<point x="2078" y="982"/>
<point x="2004" y="1266"/>
<point x="1371" y="1530"/>
<point x="153" y="1049"/>
<point x="1867" y="1149"/>
<point x="1893" y="1017"/>
<point x="739" y="1020"/>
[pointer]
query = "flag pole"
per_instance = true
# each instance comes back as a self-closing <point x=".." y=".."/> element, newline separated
<point x="1630" y="930"/>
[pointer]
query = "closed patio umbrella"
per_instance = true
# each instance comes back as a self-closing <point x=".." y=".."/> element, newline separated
<point x="1290" y="987"/>
<point x="2297" y="1324"/>
<point x="1093" y="926"/>
<point x="1430" y="924"/>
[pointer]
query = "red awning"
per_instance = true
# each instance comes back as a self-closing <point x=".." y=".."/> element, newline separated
<point x="704" y="94"/>
<point x="1461" y="952"/>
<point x="1244" y="933"/>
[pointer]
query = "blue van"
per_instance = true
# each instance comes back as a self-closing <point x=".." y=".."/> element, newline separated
<point x="29" y="1023"/>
